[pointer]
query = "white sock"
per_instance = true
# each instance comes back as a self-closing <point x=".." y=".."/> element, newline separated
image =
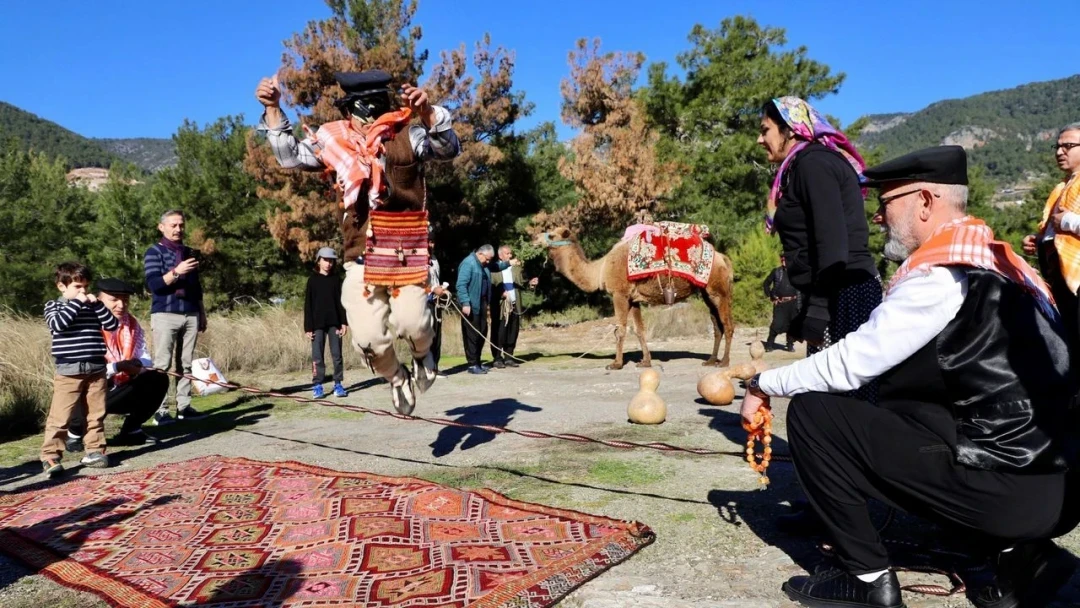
<point x="870" y="576"/>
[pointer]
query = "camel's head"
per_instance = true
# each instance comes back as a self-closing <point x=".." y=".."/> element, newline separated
<point x="556" y="237"/>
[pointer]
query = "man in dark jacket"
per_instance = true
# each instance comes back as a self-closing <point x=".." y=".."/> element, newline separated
<point x="785" y="301"/>
<point x="473" y="291"/>
<point x="975" y="396"/>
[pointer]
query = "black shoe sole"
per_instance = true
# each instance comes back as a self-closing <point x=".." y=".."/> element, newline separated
<point x="1049" y="580"/>
<point x="813" y="602"/>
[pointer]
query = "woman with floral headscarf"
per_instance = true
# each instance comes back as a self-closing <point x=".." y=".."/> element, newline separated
<point x="816" y="207"/>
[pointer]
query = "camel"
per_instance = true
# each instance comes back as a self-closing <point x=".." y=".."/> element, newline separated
<point x="609" y="274"/>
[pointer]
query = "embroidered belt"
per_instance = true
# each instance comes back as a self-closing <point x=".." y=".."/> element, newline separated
<point x="396" y="254"/>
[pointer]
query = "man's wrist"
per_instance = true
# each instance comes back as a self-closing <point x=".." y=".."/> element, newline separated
<point x="753" y="387"/>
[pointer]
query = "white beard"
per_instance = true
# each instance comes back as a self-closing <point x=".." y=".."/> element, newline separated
<point x="896" y="247"/>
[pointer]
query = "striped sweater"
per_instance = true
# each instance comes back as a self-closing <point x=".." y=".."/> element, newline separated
<point x="76" y="330"/>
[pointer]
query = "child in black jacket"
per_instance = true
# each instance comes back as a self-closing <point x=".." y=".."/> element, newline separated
<point x="324" y="318"/>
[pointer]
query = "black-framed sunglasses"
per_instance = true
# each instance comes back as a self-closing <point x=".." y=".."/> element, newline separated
<point x="885" y="200"/>
<point x="1067" y="146"/>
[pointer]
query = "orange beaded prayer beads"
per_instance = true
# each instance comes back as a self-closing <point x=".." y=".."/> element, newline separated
<point x="760" y="429"/>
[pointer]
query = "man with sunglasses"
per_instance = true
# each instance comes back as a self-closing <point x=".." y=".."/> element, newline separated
<point x="974" y="393"/>
<point x="1057" y="242"/>
<point x="375" y="153"/>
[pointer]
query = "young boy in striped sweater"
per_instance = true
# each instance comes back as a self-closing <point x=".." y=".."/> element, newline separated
<point x="75" y="321"/>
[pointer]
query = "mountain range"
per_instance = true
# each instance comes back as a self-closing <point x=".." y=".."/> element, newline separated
<point x="36" y="133"/>
<point x="1007" y="132"/>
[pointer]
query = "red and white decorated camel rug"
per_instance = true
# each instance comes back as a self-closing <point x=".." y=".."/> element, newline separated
<point x="669" y="248"/>
<point x="238" y="533"/>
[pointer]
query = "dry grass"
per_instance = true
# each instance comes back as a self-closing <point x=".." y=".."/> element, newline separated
<point x="570" y="316"/>
<point x="267" y="339"/>
<point x="26" y="371"/>
<point x="689" y="319"/>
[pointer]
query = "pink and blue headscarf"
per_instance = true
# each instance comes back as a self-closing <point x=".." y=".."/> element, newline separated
<point x="809" y="126"/>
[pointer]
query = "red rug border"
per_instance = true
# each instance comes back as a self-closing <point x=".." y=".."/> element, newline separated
<point x="67" y="572"/>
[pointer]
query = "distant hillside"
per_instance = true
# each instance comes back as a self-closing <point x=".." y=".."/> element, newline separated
<point x="151" y="154"/>
<point x="1008" y="132"/>
<point x="38" y="134"/>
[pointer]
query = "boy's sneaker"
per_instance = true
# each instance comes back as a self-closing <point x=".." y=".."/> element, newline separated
<point x="317" y="392"/>
<point x="162" y="417"/>
<point x="52" y="468"/>
<point x="189" y="413"/>
<point x="73" y="443"/>
<point x="95" y="460"/>
<point x="339" y="391"/>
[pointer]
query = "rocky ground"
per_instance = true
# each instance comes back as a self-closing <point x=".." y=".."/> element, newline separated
<point x="716" y="543"/>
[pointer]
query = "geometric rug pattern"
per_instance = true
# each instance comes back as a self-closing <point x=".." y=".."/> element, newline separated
<point x="239" y="533"/>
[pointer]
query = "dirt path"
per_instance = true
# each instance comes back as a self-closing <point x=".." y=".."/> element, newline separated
<point x="716" y="545"/>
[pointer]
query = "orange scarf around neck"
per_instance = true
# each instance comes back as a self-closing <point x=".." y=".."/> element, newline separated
<point x="968" y="241"/>
<point x="120" y="344"/>
<point x="353" y="154"/>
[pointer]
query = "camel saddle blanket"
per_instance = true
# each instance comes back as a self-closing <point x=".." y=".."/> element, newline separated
<point x="396" y="254"/>
<point x="670" y="248"/>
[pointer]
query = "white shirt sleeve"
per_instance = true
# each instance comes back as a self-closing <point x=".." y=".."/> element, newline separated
<point x="289" y="151"/>
<point x="1070" y="223"/>
<point x="437" y="143"/>
<point x="912" y="315"/>
<point x="143" y="354"/>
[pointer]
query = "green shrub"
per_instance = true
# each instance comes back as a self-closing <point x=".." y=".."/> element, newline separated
<point x="756" y="255"/>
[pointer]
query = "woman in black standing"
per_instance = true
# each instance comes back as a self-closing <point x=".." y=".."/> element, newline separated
<point x="816" y="207"/>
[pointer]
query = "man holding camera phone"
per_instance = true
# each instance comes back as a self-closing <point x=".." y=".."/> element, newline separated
<point x="177" y="315"/>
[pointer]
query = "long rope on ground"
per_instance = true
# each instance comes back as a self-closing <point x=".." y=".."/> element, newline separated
<point x="612" y="443"/>
<point x="484" y="337"/>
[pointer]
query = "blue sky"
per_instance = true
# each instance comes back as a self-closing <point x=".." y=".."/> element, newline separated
<point x="112" y="68"/>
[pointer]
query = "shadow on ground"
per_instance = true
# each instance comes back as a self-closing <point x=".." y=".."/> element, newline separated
<point x="495" y="413"/>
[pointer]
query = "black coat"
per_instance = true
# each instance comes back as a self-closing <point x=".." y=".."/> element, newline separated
<point x="821" y="221"/>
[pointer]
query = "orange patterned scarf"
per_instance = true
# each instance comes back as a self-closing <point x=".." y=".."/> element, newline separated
<point x="1066" y="197"/>
<point x="970" y="242"/>
<point x="120" y="344"/>
<point x="354" y="154"/>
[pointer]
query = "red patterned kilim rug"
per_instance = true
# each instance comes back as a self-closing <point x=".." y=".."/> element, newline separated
<point x="674" y="247"/>
<point x="237" y="533"/>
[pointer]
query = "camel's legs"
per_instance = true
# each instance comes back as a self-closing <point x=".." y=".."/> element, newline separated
<point x="723" y="306"/>
<point x="639" y="327"/>
<point x="622" y="308"/>
<point x="714" y="316"/>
